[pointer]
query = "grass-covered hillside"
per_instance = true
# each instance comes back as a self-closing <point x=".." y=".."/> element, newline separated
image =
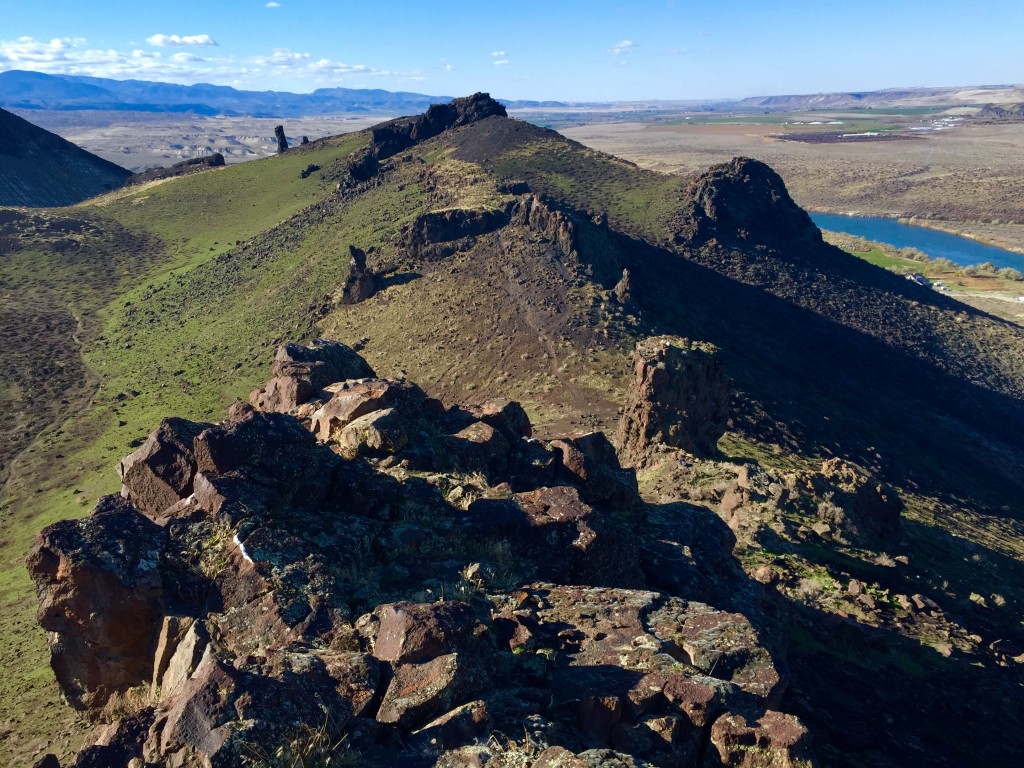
<point x="497" y="248"/>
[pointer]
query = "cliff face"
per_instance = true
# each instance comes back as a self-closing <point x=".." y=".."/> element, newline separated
<point x="39" y="168"/>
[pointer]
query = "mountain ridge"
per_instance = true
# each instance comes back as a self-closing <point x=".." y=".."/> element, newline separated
<point x="538" y="265"/>
<point x="35" y="90"/>
<point x="39" y="168"/>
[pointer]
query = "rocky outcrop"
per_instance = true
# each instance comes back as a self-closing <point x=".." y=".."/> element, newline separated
<point x="394" y="136"/>
<point x="841" y="503"/>
<point x="361" y="283"/>
<point x="535" y="213"/>
<point x="437" y="234"/>
<point x="1000" y="113"/>
<point x="161" y="471"/>
<point x="854" y="506"/>
<point x="743" y="202"/>
<point x="623" y="290"/>
<point x="282" y="142"/>
<point x="278" y="577"/>
<point x="185" y="167"/>
<point x="101" y="600"/>
<point x="300" y="373"/>
<point x="678" y="397"/>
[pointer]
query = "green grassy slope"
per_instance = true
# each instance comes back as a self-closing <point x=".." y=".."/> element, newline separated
<point x="175" y="319"/>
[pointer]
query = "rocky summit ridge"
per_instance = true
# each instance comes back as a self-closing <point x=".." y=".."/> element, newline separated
<point x="346" y="561"/>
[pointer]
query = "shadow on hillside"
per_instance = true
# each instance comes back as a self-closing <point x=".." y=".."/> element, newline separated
<point x="901" y="703"/>
<point x="396" y="278"/>
<point x="829" y="389"/>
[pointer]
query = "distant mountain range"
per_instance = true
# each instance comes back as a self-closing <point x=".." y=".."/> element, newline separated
<point x="39" y="168"/>
<point x="892" y="97"/>
<point x="35" y="90"/>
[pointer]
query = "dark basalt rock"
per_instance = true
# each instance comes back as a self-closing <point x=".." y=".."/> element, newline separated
<point x="361" y="283"/>
<point x="744" y="202"/>
<point x="160" y="473"/>
<point x="393" y="137"/>
<point x="300" y="373"/>
<point x="193" y="165"/>
<point x="294" y="586"/>
<point x="678" y="398"/>
<point x="101" y="599"/>
<point x="282" y="142"/>
<point x="424" y="237"/>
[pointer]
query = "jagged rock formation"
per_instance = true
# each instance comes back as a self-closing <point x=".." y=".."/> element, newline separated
<point x="1000" y="113"/>
<point x="744" y="201"/>
<point x="361" y="283"/>
<point x="282" y="142"/>
<point x="392" y="137"/>
<point x="623" y="290"/>
<point x="216" y="160"/>
<point x="260" y="578"/>
<point x="842" y="502"/>
<point x="39" y="168"/>
<point x="678" y="398"/>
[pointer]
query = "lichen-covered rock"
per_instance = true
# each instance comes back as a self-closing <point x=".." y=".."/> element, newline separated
<point x="161" y="471"/>
<point x="412" y="633"/>
<point x="775" y="740"/>
<point x="678" y="397"/>
<point x="234" y="607"/>
<point x="379" y="432"/>
<point x="101" y="599"/>
<point x="566" y="538"/>
<point x="419" y="693"/>
<point x="348" y="403"/>
<point x="300" y="373"/>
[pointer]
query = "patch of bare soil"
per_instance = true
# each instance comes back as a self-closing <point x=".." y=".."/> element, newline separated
<point x="35" y="388"/>
<point x="139" y="140"/>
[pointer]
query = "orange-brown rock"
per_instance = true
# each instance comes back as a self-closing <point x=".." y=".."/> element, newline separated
<point x="678" y="397"/>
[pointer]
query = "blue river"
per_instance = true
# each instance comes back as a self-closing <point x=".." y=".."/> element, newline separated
<point x="961" y="250"/>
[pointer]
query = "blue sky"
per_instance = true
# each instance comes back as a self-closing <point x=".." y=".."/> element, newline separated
<point x="528" y="49"/>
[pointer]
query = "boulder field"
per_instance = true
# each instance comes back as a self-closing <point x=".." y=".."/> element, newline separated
<point x="347" y="566"/>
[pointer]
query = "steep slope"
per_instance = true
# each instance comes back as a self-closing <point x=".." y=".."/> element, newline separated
<point x="503" y="246"/>
<point x="39" y="168"/>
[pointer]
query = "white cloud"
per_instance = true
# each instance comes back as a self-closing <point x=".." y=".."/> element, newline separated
<point x="74" y="56"/>
<point x="498" y="54"/>
<point x="449" y="67"/>
<point x="623" y="46"/>
<point x="273" y="5"/>
<point x="180" y="41"/>
<point x="501" y="62"/>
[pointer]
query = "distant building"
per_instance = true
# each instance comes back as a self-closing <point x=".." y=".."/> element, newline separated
<point x="920" y="279"/>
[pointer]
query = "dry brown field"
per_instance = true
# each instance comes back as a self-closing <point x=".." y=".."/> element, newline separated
<point x="968" y="179"/>
<point x="139" y="140"/>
